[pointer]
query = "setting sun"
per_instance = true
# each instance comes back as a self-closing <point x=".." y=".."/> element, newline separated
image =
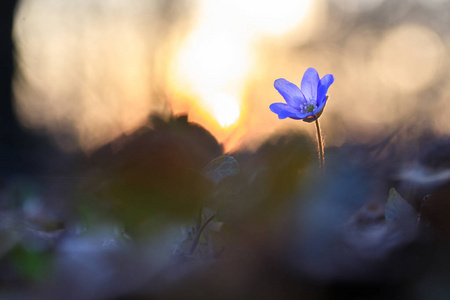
<point x="209" y="68"/>
<point x="226" y="109"/>
<point x="214" y="62"/>
<point x="115" y="61"/>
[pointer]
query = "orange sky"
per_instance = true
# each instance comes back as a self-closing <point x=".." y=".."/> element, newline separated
<point x="95" y="70"/>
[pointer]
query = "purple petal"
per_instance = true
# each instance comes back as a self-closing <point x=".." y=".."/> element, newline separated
<point x="319" y="107"/>
<point x="299" y="116"/>
<point x="285" y="111"/>
<point x="310" y="83"/>
<point x="290" y="92"/>
<point x="282" y="110"/>
<point x="324" y="84"/>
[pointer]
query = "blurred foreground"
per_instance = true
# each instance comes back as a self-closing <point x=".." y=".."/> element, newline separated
<point x="119" y="224"/>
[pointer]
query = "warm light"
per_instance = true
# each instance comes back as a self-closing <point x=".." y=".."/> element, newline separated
<point x="226" y="109"/>
<point x="85" y="83"/>
<point x="409" y="57"/>
<point x="214" y="63"/>
<point x="209" y="62"/>
<point x="358" y="6"/>
<point x="271" y="17"/>
<point x="263" y="16"/>
<point x="208" y="68"/>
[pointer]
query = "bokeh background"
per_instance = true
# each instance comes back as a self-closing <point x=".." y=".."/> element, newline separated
<point x="89" y="71"/>
<point x="114" y="114"/>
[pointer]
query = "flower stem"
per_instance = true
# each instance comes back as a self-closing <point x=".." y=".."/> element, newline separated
<point x="320" y="145"/>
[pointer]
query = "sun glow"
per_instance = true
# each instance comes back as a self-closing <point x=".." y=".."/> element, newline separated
<point x="214" y="63"/>
<point x="269" y="17"/>
<point x="86" y="83"/>
<point x="226" y="109"/>
<point x="211" y="67"/>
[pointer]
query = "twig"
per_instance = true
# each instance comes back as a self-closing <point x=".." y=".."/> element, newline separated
<point x="199" y="232"/>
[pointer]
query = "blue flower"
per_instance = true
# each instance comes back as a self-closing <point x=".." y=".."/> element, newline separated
<point x="306" y="103"/>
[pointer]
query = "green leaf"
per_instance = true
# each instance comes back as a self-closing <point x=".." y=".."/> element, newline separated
<point x="33" y="265"/>
<point x="220" y="168"/>
<point x="398" y="212"/>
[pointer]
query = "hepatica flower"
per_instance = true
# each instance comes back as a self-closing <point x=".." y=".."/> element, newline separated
<point x="306" y="103"/>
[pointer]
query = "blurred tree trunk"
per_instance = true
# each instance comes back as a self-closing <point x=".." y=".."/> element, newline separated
<point x="9" y="127"/>
<point x="15" y="143"/>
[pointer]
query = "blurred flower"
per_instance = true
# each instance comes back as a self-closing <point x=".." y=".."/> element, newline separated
<point x="307" y="103"/>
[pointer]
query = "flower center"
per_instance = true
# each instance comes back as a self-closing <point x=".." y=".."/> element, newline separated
<point x="307" y="108"/>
